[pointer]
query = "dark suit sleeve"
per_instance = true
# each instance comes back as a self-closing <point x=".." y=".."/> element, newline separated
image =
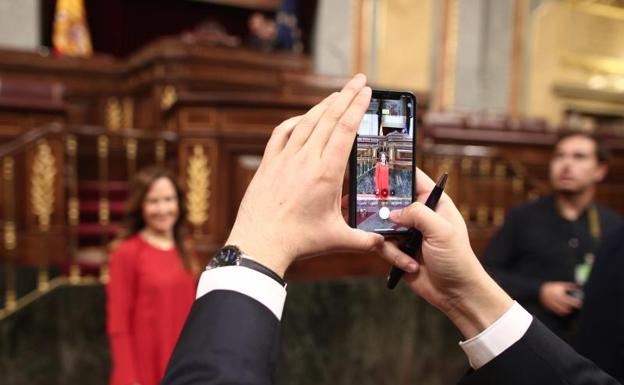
<point x="539" y="358"/>
<point x="499" y="259"/>
<point x="228" y="338"/>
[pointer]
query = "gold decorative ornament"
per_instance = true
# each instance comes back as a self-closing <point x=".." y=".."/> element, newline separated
<point x="482" y="215"/>
<point x="517" y="185"/>
<point x="104" y="212"/>
<point x="498" y="216"/>
<point x="43" y="280"/>
<point x="131" y="148"/>
<point x="466" y="166"/>
<point x="42" y="184"/>
<point x="485" y="167"/>
<point x="168" y="97"/>
<point x="127" y="115"/>
<point x="73" y="211"/>
<point x="72" y="145"/>
<point x="160" y="150"/>
<point x="104" y="274"/>
<point x="131" y="154"/>
<point x="500" y="170"/>
<point x="464" y="210"/>
<point x="113" y="114"/>
<point x="198" y="188"/>
<point x="74" y="274"/>
<point x="10" y="300"/>
<point x="102" y="146"/>
<point x="10" y="236"/>
<point x="8" y="166"/>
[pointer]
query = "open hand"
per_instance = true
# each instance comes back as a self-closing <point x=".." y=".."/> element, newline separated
<point x="291" y="208"/>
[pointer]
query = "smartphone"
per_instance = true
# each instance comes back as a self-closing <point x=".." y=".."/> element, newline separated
<point x="382" y="165"/>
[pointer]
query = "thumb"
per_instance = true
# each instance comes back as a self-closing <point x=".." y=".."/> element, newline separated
<point x="360" y="240"/>
<point x="422" y="218"/>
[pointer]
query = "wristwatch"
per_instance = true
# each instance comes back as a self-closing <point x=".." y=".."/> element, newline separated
<point x="231" y="255"/>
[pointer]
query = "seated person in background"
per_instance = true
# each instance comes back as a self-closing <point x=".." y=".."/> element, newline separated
<point x="542" y="243"/>
<point x="382" y="177"/>
<point x="232" y="333"/>
<point x="152" y="281"/>
<point x="601" y="327"/>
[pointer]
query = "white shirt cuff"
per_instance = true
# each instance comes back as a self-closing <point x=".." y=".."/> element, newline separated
<point x="498" y="337"/>
<point x="246" y="281"/>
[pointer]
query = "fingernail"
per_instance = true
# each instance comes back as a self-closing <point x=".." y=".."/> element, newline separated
<point x="396" y="214"/>
<point x="412" y="267"/>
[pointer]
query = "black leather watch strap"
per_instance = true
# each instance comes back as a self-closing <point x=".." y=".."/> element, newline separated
<point x="250" y="263"/>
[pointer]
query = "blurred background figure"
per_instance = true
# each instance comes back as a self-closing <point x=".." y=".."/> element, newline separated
<point x="152" y="281"/>
<point x="262" y="32"/>
<point x="542" y="253"/>
<point x="601" y="328"/>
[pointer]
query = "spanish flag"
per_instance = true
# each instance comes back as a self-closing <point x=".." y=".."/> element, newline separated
<point x="71" y="34"/>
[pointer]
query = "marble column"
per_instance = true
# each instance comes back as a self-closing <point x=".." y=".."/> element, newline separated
<point x="483" y="59"/>
<point x="19" y="24"/>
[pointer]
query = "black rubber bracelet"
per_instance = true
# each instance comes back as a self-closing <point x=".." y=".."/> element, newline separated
<point x="250" y="263"/>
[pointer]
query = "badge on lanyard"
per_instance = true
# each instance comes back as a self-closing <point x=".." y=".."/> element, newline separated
<point x="582" y="270"/>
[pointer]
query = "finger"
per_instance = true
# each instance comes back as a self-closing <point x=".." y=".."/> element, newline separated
<point x="424" y="184"/>
<point x="422" y="218"/>
<point x="570" y="286"/>
<point x="280" y="136"/>
<point x="344" y="202"/>
<point x="306" y="125"/>
<point x="336" y="152"/>
<point x="333" y="114"/>
<point x="561" y="311"/>
<point x="572" y="302"/>
<point x="359" y="240"/>
<point x="391" y="253"/>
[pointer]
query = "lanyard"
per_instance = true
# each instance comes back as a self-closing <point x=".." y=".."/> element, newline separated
<point x="593" y="220"/>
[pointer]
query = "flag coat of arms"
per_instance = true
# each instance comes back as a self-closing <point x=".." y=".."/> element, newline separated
<point x="71" y="34"/>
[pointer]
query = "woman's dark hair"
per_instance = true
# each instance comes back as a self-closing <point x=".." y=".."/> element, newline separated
<point x="134" y="221"/>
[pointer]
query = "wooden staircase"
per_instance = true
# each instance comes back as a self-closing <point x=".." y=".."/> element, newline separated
<point x="90" y="255"/>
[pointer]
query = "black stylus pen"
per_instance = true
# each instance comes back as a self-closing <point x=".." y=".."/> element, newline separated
<point x="412" y="246"/>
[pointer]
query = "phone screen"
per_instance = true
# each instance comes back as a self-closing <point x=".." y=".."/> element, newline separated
<point x="383" y="162"/>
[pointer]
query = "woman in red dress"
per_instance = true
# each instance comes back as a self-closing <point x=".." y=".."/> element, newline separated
<point x="382" y="177"/>
<point x="152" y="281"/>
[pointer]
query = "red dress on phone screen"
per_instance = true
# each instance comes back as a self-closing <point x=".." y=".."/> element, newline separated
<point x="149" y="296"/>
<point x="382" y="180"/>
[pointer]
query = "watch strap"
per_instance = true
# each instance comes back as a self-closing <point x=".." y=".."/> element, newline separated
<point x="251" y="264"/>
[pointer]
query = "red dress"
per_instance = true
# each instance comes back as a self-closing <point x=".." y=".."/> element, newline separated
<point x="149" y="296"/>
<point x="382" y="180"/>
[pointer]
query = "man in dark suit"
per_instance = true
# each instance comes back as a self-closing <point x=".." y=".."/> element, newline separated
<point x="232" y="333"/>
<point x="601" y="330"/>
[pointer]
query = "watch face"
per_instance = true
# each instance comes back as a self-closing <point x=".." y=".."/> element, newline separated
<point x="227" y="256"/>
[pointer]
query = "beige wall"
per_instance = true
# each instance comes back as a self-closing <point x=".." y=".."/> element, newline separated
<point x="402" y="44"/>
<point x="579" y="47"/>
<point x="19" y="24"/>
